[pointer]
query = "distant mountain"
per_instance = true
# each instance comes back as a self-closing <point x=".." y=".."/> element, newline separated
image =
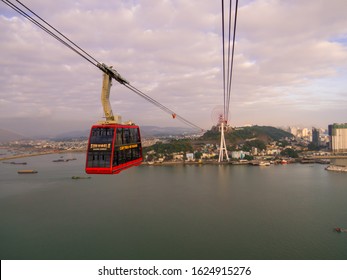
<point x="72" y="134"/>
<point x="155" y="131"/>
<point x="146" y="131"/>
<point x="7" y="136"/>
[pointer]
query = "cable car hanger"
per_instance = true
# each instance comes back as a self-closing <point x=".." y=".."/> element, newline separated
<point x="109" y="73"/>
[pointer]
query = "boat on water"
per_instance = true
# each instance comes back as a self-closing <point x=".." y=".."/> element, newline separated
<point x="13" y="162"/>
<point x="27" y="171"/>
<point x="264" y="163"/>
<point x="63" y="160"/>
<point x="338" y="229"/>
<point x="338" y="168"/>
<point x="79" y="177"/>
<point x="259" y="163"/>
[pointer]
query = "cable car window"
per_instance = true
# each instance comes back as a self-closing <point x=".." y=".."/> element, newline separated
<point x="99" y="159"/>
<point x="101" y="135"/>
<point x="128" y="155"/>
<point x="126" y="136"/>
<point x="100" y="147"/>
<point x="131" y="135"/>
<point x="119" y="136"/>
<point x="135" y="135"/>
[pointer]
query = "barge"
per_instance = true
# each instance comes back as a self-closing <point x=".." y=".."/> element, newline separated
<point x="27" y="171"/>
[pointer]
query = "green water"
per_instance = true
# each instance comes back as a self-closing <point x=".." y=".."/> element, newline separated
<point x="176" y="212"/>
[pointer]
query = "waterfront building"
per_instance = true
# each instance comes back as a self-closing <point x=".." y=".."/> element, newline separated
<point x="178" y="156"/>
<point x="190" y="156"/>
<point x="338" y="137"/>
<point x="304" y="132"/>
<point x="239" y="154"/>
<point x="315" y="137"/>
<point x="273" y="152"/>
<point x="294" y="131"/>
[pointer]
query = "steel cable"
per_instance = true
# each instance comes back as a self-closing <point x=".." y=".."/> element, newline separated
<point x="74" y="47"/>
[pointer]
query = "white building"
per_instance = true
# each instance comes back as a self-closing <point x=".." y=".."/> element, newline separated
<point x="190" y="156"/>
<point x="239" y="154"/>
<point x="294" y="131"/>
<point x="305" y="132"/>
<point x="338" y="137"/>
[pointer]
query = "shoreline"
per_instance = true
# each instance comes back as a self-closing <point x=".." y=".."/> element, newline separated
<point x="9" y="157"/>
<point x="173" y="163"/>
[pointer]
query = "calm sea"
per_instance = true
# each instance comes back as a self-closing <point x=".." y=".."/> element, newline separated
<point x="172" y="212"/>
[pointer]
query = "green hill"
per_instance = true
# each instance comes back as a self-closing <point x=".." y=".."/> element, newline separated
<point x="265" y="134"/>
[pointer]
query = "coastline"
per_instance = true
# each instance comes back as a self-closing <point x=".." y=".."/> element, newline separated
<point x="317" y="160"/>
<point x="9" y="157"/>
<point x="164" y="163"/>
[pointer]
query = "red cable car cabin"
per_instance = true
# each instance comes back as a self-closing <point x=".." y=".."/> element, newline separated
<point x="113" y="148"/>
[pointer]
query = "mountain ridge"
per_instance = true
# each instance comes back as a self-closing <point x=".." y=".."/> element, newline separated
<point x="7" y="136"/>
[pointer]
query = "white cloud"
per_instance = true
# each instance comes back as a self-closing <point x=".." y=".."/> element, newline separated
<point x="286" y="53"/>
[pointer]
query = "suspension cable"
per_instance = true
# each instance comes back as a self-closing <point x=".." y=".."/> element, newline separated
<point x="232" y="57"/>
<point x="38" y="24"/>
<point x="229" y="58"/>
<point x="162" y="107"/>
<point x="92" y="58"/>
<point x="223" y="46"/>
<point x="74" y="47"/>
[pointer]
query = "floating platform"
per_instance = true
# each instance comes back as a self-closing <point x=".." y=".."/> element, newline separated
<point x="29" y="171"/>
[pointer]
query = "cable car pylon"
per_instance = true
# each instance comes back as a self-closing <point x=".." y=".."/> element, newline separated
<point x="223" y="148"/>
<point x="218" y="118"/>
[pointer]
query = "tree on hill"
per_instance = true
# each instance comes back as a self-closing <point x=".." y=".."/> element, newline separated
<point x="290" y="153"/>
<point x="174" y="146"/>
<point x="259" y="144"/>
<point x="264" y="133"/>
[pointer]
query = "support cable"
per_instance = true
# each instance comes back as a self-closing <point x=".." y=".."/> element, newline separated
<point x="38" y="24"/>
<point x="232" y="57"/>
<point x="161" y="106"/>
<point x="228" y="58"/>
<point x="92" y="58"/>
<point x="108" y="70"/>
<point x="223" y="46"/>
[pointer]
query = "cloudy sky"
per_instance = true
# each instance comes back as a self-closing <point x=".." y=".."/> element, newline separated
<point x="290" y="64"/>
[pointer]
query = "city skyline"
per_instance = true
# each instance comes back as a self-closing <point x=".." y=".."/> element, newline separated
<point x="289" y="68"/>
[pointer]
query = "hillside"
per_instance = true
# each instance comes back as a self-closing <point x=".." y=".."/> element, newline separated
<point x="6" y="136"/>
<point x="240" y="135"/>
